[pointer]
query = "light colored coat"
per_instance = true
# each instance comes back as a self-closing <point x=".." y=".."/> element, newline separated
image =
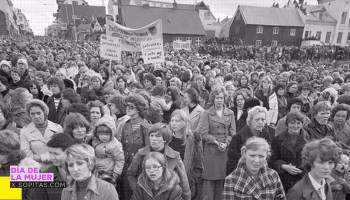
<point x="33" y="142"/>
<point x="194" y="118"/>
<point x="273" y="111"/>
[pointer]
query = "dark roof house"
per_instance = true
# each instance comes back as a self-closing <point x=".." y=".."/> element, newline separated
<point x="67" y="11"/>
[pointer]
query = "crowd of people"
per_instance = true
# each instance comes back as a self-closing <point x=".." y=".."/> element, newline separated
<point x="200" y="125"/>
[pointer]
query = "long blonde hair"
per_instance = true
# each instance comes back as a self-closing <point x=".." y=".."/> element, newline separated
<point x="184" y="117"/>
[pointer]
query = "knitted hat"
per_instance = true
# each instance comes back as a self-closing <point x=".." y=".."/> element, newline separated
<point x="250" y="103"/>
<point x="98" y="76"/>
<point x="293" y="101"/>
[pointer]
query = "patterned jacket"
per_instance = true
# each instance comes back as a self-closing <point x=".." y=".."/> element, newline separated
<point x="240" y="185"/>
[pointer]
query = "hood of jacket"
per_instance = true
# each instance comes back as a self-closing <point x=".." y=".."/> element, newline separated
<point x="107" y="121"/>
<point x="173" y="180"/>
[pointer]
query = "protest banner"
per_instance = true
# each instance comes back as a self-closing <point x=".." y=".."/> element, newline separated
<point x="110" y="48"/>
<point x="132" y="38"/>
<point x="152" y="51"/>
<point x="182" y="45"/>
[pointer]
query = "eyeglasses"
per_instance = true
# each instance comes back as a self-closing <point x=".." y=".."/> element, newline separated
<point x="152" y="168"/>
<point x="130" y="106"/>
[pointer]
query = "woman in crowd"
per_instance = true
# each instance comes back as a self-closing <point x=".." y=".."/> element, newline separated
<point x="304" y="90"/>
<point x="239" y="100"/>
<point x="190" y="148"/>
<point x="291" y="90"/>
<point x="318" y="127"/>
<point x="133" y="137"/>
<point x="248" y="104"/>
<point x="217" y="128"/>
<point x="268" y="99"/>
<point x="36" y="134"/>
<point x="204" y="94"/>
<point x="69" y="96"/>
<point x="256" y="121"/>
<point x="117" y="108"/>
<point x="281" y="99"/>
<point x="78" y="127"/>
<point x="96" y="111"/>
<point x="156" y="181"/>
<point x="6" y="121"/>
<point x="230" y="89"/>
<point x="340" y="114"/>
<point x="243" y="85"/>
<point x="107" y="80"/>
<point x="172" y="94"/>
<point x="57" y="112"/>
<point x="159" y="138"/>
<point x="11" y="154"/>
<point x="253" y="179"/>
<point x="79" y="162"/>
<point x="122" y="86"/>
<point x="35" y="89"/>
<point x="96" y="90"/>
<point x="41" y="78"/>
<point x="318" y="159"/>
<point x="149" y="81"/>
<point x="19" y="98"/>
<point x="287" y="148"/>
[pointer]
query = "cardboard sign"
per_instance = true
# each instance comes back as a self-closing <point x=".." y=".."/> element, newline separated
<point x="110" y="48"/>
<point x="132" y="38"/>
<point x="179" y="45"/>
<point x="152" y="51"/>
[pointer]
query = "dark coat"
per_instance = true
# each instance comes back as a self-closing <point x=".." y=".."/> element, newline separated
<point x="284" y="152"/>
<point x="169" y="191"/>
<point x="234" y="149"/>
<point x="56" y="116"/>
<point x="303" y="190"/>
<point x="317" y="131"/>
<point x="93" y="95"/>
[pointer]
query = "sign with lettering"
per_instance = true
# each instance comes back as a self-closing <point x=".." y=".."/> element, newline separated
<point x="179" y="45"/>
<point x="152" y="51"/>
<point x="110" y="48"/>
<point x="132" y="38"/>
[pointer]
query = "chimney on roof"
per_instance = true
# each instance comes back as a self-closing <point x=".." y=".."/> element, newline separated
<point x="174" y="5"/>
<point x="145" y="5"/>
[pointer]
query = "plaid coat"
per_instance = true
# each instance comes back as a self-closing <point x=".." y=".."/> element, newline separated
<point x="240" y="185"/>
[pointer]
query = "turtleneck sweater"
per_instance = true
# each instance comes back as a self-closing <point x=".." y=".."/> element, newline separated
<point x="42" y="126"/>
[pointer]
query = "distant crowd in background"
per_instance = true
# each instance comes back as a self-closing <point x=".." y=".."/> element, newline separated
<point x="218" y="122"/>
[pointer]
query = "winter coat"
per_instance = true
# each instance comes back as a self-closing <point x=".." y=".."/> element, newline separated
<point x="97" y="189"/>
<point x="109" y="155"/>
<point x="221" y="129"/>
<point x="33" y="142"/>
<point x="174" y="163"/>
<point x="315" y="130"/>
<point x="194" y="118"/>
<point x="304" y="190"/>
<point x="56" y="115"/>
<point x="284" y="152"/>
<point x="92" y="95"/>
<point x="171" y="190"/>
<point x="234" y="149"/>
<point x="272" y="108"/>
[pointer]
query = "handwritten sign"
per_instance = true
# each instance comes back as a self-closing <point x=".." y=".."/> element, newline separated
<point x="152" y="51"/>
<point x="132" y="38"/>
<point x="110" y="48"/>
<point x="179" y="45"/>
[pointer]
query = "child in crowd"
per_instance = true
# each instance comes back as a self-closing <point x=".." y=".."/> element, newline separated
<point x="109" y="151"/>
<point x="158" y="100"/>
<point x="340" y="178"/>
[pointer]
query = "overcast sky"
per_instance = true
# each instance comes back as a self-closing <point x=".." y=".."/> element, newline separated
<point x="40" y="12"/>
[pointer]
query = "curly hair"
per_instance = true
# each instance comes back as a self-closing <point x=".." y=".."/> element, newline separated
<point x="119" y="101"/>
<point x="97" y="104"/>
<point x="37" y="103"/>
<point x="254" y="111"/>
<point x="150" y="77"/>
<point x="341" y="107"/>
<point x="139" y="102"/>
<point x="325" y="149"/>
<point x="55" y="81"/>
<point x="216" y="91"/>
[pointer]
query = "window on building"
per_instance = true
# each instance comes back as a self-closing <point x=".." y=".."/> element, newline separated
<point x="348" y="39"/>
<point x="274" y="43"/>
<point x="258" y="43"/>
<point x="188" y="38"/>
<point x="328" y="37"/>
<point x="343" y="17"/>
<point x="307" y="34"/>
<point x="340" y="35"/>
<point x="179" y="38"/>
<point x="198" y="40"/>
<point x="292" y="32"/>
<point x="260" y="29"/>
<point x="275" y="30"/>
<point x="206" y="15"/>
<point x="75" y="2"/>
<point x="318" y="35"/>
